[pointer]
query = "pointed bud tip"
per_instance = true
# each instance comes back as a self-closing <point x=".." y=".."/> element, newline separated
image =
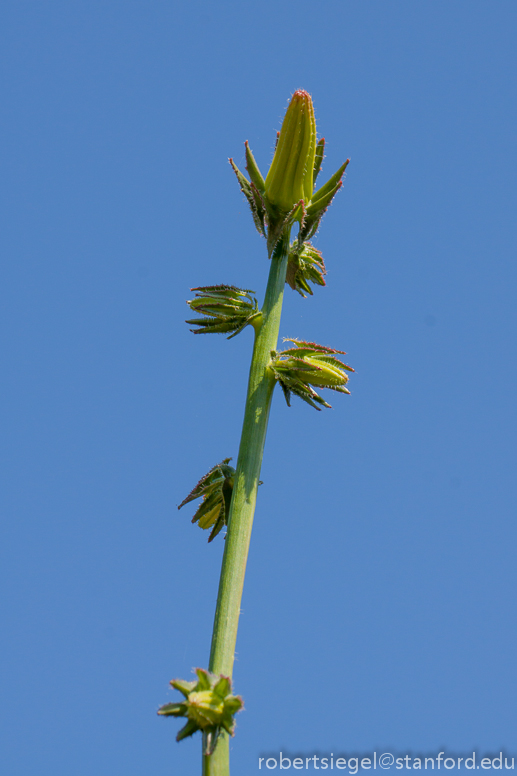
<point x="301" y="94"/>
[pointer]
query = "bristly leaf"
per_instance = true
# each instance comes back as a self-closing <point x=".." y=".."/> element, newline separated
<point x="246" y="188"/>
<point x="187" y="730"/>
<point x="232" y="291"/>
<point x="206" y="482"/>
<point x="305" y="264"/>
<point x="260" y="209"/>
<point x="183" y="686"/>
<point x="279" y="224"/>
<point x="330" y="184"/>
<point x="306" y="366"/>
<point x="318" y="159"/>
<point x="216" y="489"/>
<point x="227" y="309"/>
<point x="321" y="200"/>
<point x="301" y="345"/>
<point x="253" y="170"/>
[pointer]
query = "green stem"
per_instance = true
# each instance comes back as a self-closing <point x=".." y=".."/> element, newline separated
<point x="258" y="402"/>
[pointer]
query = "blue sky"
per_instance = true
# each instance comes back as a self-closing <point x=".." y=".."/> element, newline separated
<point x="379" y="605"/>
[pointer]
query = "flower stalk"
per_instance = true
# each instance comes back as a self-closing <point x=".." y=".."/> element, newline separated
<point x="284" y="197"/>
<point x="258" y="402"/>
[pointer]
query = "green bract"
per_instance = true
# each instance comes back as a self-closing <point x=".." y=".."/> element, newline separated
<point x="321" y="199"/>
<point x="216" y="488"/>
<point x="208" y="706"/>
<point x="290" y="177"/>
<point x="227" y="308"/>
<point x="318" y="157"/>
<point x="306" y="365"/>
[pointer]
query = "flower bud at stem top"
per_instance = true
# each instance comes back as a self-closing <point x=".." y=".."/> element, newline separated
<point x="290" y="177"/>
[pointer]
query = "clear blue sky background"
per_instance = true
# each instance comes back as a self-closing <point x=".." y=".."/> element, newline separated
<point x="379" y="605"/>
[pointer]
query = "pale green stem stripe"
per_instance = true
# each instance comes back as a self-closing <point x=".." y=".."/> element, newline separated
<point x="258" y="402"/>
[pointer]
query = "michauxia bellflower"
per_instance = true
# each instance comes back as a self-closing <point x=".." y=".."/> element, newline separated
<point x="286" y="197"/>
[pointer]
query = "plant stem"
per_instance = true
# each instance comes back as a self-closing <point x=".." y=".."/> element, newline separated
<point x="258" y="402"/>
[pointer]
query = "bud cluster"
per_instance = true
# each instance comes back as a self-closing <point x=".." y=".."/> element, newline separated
<point x="287" y="194"/>
<point x="216" y="488"/>
<point x="305" y="265"/>
<point x="308" y="365"/>
<point x="227" y="309"/>
<point x="208" y="706"/>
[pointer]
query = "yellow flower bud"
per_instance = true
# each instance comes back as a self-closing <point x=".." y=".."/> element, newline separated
<point x="290" y="177"/>
<point x="205" y="708"/>
<point x="208" y="705"/>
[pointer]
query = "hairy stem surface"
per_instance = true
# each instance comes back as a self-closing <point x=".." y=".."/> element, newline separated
<point x="258" y="402"/>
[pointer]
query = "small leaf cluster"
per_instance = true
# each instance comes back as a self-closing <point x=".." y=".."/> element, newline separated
<point x="216" y="489"/>
<point x="209" y="706"/>
<point x="307" y="365"/>
<point x="225" y="309"/>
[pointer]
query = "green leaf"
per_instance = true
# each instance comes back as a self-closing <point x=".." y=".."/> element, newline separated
<point x="281" y="223"/>
<point x="183" y="686"/>
<point x="248" y="193"/>
<point x="318" y="206"/>
<point x="318" y="159"/>
<point x="225" y="290"/>
<point x="203" y="680"/>
<point x="187" y="730"/>
<point x="260" y="210"/>
<point x="330" y="184"/>
<point x="223" y="686"/>
<point x="253" y="170"/>
<point x="172" y="710"/>
<point x="221" y="521"/>
<point x="207" y="519"/>
<point x="249" y="321"/>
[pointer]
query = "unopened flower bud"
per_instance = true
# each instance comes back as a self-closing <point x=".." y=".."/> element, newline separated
<point x="305" y="264"/>
<point x="306" y="365"/>
<point x="290" y="177"/>
<point x="208" y="706"/>
<point x="216" y="488"/>
<point x="226" y="309"/>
